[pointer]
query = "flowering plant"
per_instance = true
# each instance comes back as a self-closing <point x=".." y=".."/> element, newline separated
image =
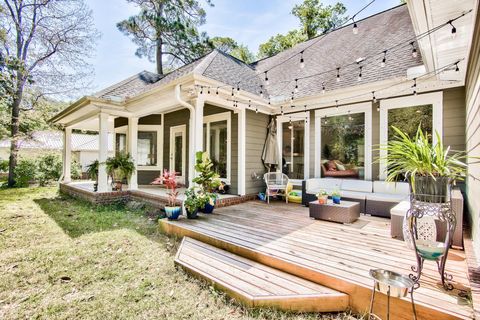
<point x="168" y="178"/>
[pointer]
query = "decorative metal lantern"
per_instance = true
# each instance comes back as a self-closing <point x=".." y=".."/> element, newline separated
<point x="431" y="222"/>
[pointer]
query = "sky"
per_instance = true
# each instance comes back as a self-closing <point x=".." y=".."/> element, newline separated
<point x="249" y="22"/>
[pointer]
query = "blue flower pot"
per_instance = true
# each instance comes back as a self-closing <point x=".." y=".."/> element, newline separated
<point x="173" y="213"/>
<point x="336" y="199"/>
<point x="209" y="207"/>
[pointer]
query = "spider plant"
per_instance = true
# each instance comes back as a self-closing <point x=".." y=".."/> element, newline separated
<point x="432" y="165"/>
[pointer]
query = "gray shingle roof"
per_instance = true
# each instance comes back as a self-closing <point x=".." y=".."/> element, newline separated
<point x="338" y="48"/>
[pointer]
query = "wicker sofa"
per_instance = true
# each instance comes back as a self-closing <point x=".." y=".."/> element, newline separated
<point x="375" y="198"/>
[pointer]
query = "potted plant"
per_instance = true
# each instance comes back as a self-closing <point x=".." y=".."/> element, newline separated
<point x="430" y="168"/>
<point x="322" y="197"/>
<point x="207" y="179"/>
<point x="169" y="179"/>
<point x="120" y="167"/>
<point x="92" y="172"/>
<point x="194" y="200"/>
<point x="336" y="196"/>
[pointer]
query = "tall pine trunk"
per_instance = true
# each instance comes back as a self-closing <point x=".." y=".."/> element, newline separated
<point x="158" y="57"/>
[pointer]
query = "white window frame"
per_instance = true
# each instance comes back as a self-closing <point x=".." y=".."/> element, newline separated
<point x="434" y="98"/>
<point x="366" y="108"/>
<point x="147" y="128"/>
<point x="183" y="130"/>
<point x="223" y="116"/>
<point x="297" y="116"/>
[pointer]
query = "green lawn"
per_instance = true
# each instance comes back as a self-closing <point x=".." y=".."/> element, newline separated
<point x="65" y="259"/>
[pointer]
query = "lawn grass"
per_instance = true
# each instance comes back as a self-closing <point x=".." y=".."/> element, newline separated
<point x="61" y="258"/>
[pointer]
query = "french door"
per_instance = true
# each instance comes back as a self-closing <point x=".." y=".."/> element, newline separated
<point x="178" y="151"/>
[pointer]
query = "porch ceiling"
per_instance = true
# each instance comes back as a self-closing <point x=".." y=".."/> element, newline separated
<point x="440" y="48"/>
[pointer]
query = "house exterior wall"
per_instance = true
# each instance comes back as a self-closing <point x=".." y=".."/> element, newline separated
<point x="473" y="137"/>
<point x="256" y="132"/>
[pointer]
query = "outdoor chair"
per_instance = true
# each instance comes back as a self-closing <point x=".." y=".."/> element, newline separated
<point x="277" y="184"/>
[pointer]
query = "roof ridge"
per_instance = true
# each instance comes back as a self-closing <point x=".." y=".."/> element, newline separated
<point x="203" y="65"/>
<point x="123" y="82"/>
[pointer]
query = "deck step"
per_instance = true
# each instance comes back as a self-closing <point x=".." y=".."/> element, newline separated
<point x="255" y="284"/>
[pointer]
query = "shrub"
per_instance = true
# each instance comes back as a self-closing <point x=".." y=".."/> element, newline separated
<point x="25" y="172"/>
<point x="3" y="165"/>
<point x="76" y="170"/>
<point x="49" y="168"/>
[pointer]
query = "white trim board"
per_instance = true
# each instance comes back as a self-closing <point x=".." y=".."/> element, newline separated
<point x="182" y="129"/>
<point x="298" y="116"/>
<point x="366" y="108"/>
<point x="433" y="98"/>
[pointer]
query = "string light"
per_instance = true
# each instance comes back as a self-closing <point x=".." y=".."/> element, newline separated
<point x="302" y="62"/>
<point x="249" y="103"/>
<point x="414" y="50"/>
<point x="373" y="97"/>
<point x="256" y="110"/>
<point x="378" y="108"/>
<point x="238" y="86"/>
<point x="414" y="86"/>
<point x="296" y="85"/>
<point x="457" y="69"/>
<point x="338" y="74"/>
<point x="208" y="90"/>
<point x="261" y="90"/>
<point x="233" y="92"/>
<point x="217" y="91"/>
<point x="201" y="90"/>
<point x="266" y="78"/>
<point x="384" y="60"/>
<point x="336" y="104"/>
<point x="454" y="30"/>
<point x="355" y="28"/>
<point x="360" y="74"/>
<point x="281" y="110"/>
<point x="323" y="88"/>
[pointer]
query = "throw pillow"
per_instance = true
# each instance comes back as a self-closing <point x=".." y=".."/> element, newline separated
<point x="331" y="166"/>
<point x="340" y="166"/>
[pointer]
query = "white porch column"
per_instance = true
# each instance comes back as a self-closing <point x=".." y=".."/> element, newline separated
<point x="132" y="137"/>
<point x="67" y="154"/>
<point x="241" y="151"/>
<point x="195" y="137"/>
<point x="102" y="152"/>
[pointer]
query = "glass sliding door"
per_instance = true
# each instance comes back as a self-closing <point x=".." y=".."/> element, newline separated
<point x="293" y="152"/>
<point x="343" y="146"/>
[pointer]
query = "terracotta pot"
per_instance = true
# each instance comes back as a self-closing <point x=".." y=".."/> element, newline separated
<point x="322" y="199"/>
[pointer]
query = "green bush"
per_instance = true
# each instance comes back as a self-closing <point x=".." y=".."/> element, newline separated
<point x="25" y="172"/>
<point x="49" y="168"/>
<point x="76" y="170"/>
<point x="3" y="165"/>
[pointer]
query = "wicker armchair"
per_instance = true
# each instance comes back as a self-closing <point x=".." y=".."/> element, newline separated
<point x="277" y="184"/>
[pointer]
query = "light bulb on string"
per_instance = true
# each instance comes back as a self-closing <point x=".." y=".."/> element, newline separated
<point x="233" y="91"/>
<point x="378" y="108"/>
<point x="453" y="32"/>
<point x="208" y="90"/>
<point x="256" y="110"/>
<point x="336" y="104"/>
<point x="384" y="60"/>
<point x="373" y="97"/>
<point x="302" y="61"/>
<point x="201" y="90"/>
<point x="217" y="91"/>
<point x="266" y="78"/>
<point x="457" y="69"/>
<point x="355" y="28"/>
<point x="296" y="85"/>
<point x="261" y="91"/>
<point x="238" y="87"/>
<point x="360" y="73"/>
<point x="338" y="74"/>
<point x="323" y="88"/>
<point x="414" y="50"/>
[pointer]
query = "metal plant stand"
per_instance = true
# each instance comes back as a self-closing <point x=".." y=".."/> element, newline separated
<point x="391" y="284"/>
<point x="428" y="207"/>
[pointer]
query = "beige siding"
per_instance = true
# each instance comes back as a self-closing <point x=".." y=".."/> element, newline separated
<point x="454" y="118"/>
<point x="256" y="132"/>
<point x="473" y="136"/>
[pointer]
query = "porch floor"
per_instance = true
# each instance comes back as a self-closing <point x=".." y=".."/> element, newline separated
<point x="333" y="255"/>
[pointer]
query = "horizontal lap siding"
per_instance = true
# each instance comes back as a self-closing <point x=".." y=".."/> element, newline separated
<point x="256" y="132"/>
<point x="454" y="118"/>
<point x="473" y="137"/>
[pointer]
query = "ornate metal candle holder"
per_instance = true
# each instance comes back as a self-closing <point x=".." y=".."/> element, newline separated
<point x="427" y="214"/>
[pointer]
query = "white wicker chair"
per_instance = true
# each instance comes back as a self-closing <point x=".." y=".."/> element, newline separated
<point x="277" y="183"/>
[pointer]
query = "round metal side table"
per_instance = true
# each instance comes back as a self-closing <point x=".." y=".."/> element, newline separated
<point x="392" y="284"/>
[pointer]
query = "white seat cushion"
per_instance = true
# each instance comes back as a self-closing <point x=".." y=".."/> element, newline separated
<point x="353" y="194"/>
<point x="386" y="197"/>
<point x="357" y="185"/>
<point x="327" y="184"/>
<point x="400" y="209"/>
<point x="317" y="190"/>
<point x="400" y="188"/>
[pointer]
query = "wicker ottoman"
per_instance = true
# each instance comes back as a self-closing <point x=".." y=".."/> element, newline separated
<point x="345" y="212"/>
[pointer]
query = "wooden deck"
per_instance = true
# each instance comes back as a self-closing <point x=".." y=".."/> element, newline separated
<point x="255" y="284"/>
<point x="333" y="255"/>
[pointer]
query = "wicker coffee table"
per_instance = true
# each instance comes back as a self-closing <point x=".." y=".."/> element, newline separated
<point x="345" y="212"/>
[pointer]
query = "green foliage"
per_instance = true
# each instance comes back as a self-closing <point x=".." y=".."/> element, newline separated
<point x="25" y="172"/>
<point x="167" y="29"/>
<point x="409" y="119"/>
<point x="121" y="166"/>
<point x="280" y="43"/>
<point x="76" y="170"/>
<point x="49" y="169"/>
<point x="417" y="156"/>
<point x="3" y="165"/>
<point x="243" y="53"/>
<point x="194" y="199"/>
<point x="316" y="18"/>
<point x="207" y="179"/>
<point x="92" y="170"/>
<point x="224" y="44"/>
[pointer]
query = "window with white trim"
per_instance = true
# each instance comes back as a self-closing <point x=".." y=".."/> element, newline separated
<point x="216" y="142"/>
<point x="147" y="148"/>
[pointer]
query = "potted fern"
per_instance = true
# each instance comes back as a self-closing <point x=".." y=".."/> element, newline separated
<point x="92" y="172"/>
<point x="429" y="167"/>
<point x="207" y="179"/>
<point x="120" y="167"/>
<point x="169" y="179"/>
<point x="194" y="200"/>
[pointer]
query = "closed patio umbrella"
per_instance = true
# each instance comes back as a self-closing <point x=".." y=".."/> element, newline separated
<point x="270" y="149"/>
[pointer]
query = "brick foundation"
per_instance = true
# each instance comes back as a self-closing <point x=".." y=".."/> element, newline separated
<point x="156" y="201"/>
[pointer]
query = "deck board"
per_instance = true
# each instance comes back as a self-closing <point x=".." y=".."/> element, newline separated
<point x="335" y="255"/>
<point x="255" y="284"/>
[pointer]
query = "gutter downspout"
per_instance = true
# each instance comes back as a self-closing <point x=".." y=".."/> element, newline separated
<point x="191" y="131"/>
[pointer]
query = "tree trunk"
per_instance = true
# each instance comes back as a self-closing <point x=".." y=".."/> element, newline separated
<point x="14" y="130"/>
<point x="159" y="56"/>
